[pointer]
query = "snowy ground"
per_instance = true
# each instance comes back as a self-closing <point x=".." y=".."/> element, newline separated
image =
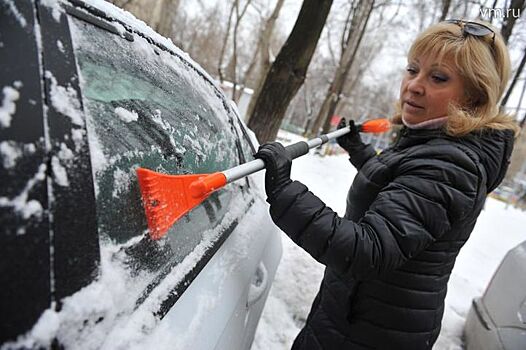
<point x="298" y="277"/>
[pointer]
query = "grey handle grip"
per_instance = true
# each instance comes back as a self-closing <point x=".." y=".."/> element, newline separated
<point x="297" y="149"/>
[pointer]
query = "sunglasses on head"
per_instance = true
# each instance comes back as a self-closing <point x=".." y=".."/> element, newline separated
<point x="473" y="28"/>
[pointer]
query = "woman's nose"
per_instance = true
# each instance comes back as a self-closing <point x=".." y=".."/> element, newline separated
<point x="416" y="86"/>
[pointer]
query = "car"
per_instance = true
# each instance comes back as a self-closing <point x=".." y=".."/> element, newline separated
<point x="497" y="320"/>
<point x="505" y="194"/>
<point x="88" y="95"/>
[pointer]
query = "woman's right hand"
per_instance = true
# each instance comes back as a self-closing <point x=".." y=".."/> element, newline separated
<point x="277" y="164"/>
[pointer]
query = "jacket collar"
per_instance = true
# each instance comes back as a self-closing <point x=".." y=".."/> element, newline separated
<point x="411" y="137"/>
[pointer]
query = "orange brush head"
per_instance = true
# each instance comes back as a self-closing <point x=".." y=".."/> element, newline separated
<point x="376" y="126"/>
<point x="168" y="197"/>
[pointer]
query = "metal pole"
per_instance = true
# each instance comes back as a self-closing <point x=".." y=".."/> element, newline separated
<point x="298" y="149"/>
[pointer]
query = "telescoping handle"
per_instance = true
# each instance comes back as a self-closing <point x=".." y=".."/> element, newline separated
<point x="166" y="198"/>
<point x="214" y="181"/>
<point x="295" y="150"/>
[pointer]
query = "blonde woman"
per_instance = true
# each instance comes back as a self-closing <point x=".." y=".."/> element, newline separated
<point x="411" y="208"/>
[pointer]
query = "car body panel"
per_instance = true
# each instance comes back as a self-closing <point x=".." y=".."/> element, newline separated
<point x="74" y="236"/>
<point x="25" y="239"/>
<point x="497" y="320"/>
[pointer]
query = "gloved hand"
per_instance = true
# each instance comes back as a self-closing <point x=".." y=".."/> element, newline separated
<point x="277" y="164"/>
<point x="350" y="140"/>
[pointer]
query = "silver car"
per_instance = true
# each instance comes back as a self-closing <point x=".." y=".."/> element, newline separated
<point x="88" y="94"/>
<point x="497" y="320"/>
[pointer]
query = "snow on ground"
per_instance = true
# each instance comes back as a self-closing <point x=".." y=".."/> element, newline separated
<point x="299" y="275"/>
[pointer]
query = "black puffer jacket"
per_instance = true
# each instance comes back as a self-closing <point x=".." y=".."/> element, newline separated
<point x="409" y="211"/>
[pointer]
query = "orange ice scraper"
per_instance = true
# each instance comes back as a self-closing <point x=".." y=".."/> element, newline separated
<point x="166" y="198"/>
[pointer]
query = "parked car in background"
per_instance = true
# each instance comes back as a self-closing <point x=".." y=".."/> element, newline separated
<point x="497" y="320"/>
<point x="505" y="194"/>
<point x="88" y="94"/>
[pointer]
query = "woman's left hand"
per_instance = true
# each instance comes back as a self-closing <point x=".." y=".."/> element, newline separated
<point x="277" y="164"/>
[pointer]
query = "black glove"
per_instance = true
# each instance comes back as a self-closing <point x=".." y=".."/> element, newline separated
<point x="277" y="164"/>
<point x="351" y="140"/>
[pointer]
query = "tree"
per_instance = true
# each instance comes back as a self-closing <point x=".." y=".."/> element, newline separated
<point x="262" y="52"/>
<point x="353" y="33"/>
<point x="516" y="6"/>
<point x="166" y="11"/>
<point x="225" y="42"/>
<point x="239" y="16"/>
<point x="516" y="76"/>
<point x="445" y="9"/>
<point x="287" y="73"/>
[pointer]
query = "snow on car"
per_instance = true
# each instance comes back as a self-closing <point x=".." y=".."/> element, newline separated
<point x="89" y="94"/>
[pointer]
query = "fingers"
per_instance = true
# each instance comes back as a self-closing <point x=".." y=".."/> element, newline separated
<point x="272" y="147"/>
<point x="271" y="150"/>
<point x="353" y="127"/>
<point x="341" y="123"/>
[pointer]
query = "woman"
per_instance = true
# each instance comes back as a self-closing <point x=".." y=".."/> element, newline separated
<point x="412" y="207"/>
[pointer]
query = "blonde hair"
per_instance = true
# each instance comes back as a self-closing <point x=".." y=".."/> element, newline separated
<point x="484" y="65"/>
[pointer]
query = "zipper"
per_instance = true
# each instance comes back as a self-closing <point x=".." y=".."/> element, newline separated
<point x="403" y="133"/>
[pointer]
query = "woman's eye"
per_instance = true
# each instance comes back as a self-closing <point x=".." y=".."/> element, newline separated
<point x="411" y="70"/>
<point x="439" y="78"/>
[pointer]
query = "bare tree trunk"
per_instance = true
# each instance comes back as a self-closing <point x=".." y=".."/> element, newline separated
<point x="157" y="11"/>
<point x="225" y="42"/>
<point x="492" y="6"/>
<point x="166" y="17"/>
<point x="359" y="20"/>
<point x="287" y="73"/>
<point x="445" y="9"/>
<point x="261" y="53"/>
<point x="239" y="16"/>
<point x="516" y="8"/>
<point x="515" y="79"/>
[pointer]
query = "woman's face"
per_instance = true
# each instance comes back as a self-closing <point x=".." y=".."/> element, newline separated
<point x="428" y="87"/>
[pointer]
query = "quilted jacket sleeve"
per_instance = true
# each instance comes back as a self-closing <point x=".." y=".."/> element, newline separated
<point x="360" y="154"/>
<point x="430" y="191"/>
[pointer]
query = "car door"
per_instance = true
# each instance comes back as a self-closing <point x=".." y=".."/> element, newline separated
<point x="49" y="239"/>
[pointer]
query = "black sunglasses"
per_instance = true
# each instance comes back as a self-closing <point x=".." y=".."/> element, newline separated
<point x="473" y="28"/>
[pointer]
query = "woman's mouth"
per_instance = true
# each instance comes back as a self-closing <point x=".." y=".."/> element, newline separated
<point x="413" y="104"/>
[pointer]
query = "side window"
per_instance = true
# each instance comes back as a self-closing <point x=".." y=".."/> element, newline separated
<point x="145" y="107"/>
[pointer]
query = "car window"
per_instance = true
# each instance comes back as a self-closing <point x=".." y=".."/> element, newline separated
<point x="146" y="107"/>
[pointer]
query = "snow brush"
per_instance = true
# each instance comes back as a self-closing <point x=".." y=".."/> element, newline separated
<point x="166" y="198"/>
